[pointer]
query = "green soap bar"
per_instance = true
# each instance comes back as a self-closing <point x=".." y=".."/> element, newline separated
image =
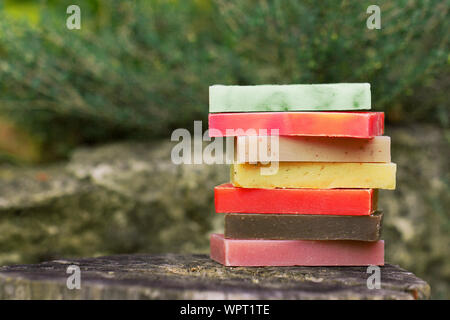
<point x="292" y="97"/>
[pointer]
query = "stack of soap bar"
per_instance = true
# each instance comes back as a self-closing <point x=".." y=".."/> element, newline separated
<point x="319" y="206"/>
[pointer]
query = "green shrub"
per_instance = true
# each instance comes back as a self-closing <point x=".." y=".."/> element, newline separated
<point x="141" y="68"/>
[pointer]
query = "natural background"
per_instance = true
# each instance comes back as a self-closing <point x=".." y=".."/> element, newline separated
<point x="86" y="116"/>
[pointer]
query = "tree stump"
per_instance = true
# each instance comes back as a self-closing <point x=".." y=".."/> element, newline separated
<point x="176" y="276"/>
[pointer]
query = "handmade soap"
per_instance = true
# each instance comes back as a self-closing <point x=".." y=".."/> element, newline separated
<point x="330" y="124"/>
<point x="317" y="175"/>
<point x="303" y="227"/>
<point x="230" y="199"/>
<point x="312" y="149"/>
<point x="233" y="252"/>
<point x="293" y="97"/>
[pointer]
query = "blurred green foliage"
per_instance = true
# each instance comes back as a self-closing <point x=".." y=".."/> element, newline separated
<point x="141" y="68"/>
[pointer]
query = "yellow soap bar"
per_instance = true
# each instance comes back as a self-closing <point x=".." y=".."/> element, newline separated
<point x="317" y="175"/>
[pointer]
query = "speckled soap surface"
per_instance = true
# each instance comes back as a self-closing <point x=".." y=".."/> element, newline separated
<point x="293" y="97"/>
<point x="316" y="175"/>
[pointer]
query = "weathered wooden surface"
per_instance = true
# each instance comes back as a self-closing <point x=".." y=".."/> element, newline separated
<point x="173" y="276"/>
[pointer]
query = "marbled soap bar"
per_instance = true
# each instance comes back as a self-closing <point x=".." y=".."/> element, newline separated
<point x="313" y="149"/>
<point x="317" y="175"/>
<point x="246" y="253"/>
<point x="357" y="202"/>
<point x="293" y="97"/>
<point x="329" y="124"/>
<point x="303" y="227"/>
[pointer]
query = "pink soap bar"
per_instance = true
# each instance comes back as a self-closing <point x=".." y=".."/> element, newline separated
<point x="252" y="253"/>
<point x="330" y="124"/>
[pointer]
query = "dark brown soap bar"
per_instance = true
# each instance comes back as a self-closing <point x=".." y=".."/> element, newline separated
<point x="303" y="227"/>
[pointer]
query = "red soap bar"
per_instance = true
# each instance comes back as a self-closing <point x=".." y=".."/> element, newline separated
<point x="247" y="253"/>
<point x="356" y="202"/>
<point x="330" y="124"/>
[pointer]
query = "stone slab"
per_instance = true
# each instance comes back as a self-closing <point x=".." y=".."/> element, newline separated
<point x="191" y="276"/>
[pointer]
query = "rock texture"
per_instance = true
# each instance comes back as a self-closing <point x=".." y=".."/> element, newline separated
<point x="198" y="277"/>
<point x="120" y="198"/>
<point x="416" y="223"/>
<point x="130" y="198"/>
